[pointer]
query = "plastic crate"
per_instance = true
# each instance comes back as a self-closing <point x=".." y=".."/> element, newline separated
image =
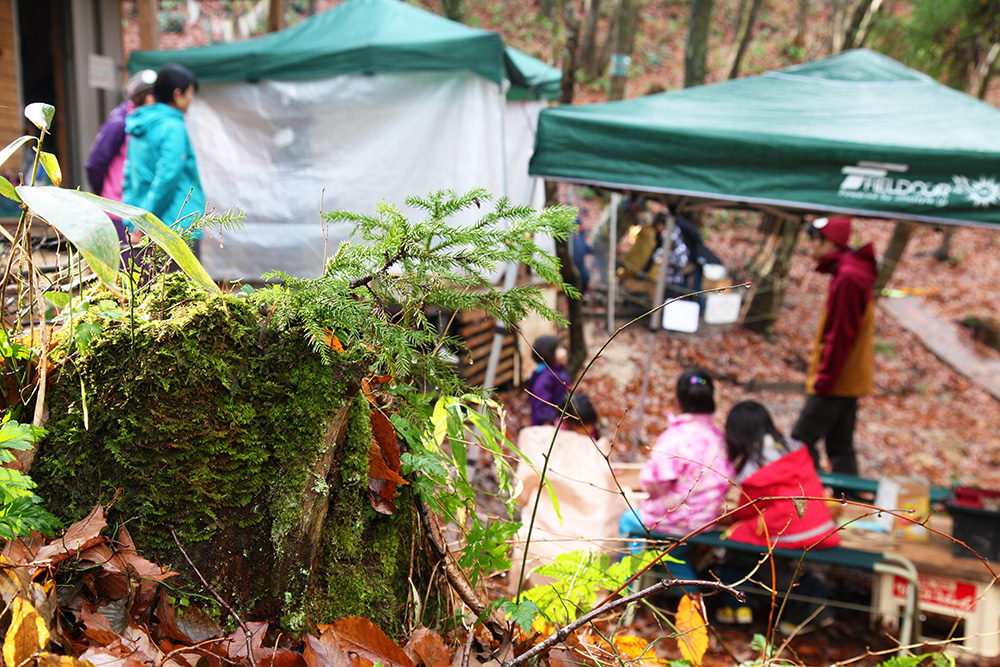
<point x="975" y="522"/>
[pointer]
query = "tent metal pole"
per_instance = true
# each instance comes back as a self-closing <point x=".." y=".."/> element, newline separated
<point x="612" y="278"/>
<point x="666" y="242"/>
<point x="641" y="409"/>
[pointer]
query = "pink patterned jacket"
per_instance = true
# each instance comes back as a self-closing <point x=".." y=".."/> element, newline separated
<point x="687" y="476"/>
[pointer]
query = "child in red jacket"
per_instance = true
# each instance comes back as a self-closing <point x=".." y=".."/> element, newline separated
<point x="774" y="472"/>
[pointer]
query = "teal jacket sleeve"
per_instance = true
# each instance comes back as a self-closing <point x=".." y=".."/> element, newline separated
<point x="173" y="149"/>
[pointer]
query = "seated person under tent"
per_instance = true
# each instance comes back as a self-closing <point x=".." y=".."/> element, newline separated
<point x="688" y="256"/>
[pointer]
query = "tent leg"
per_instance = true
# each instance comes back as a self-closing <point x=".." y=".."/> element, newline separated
<point x="641" y="409"/>
<point x="666" y="242"/>
<point x="616" y="200"/>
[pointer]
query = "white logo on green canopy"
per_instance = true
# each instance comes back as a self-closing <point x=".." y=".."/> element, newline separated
<point x="883" y="182"/>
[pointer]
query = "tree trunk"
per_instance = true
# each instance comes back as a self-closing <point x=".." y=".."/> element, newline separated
<point x="574" y="309"/>
<point x="696" y="51"/>
<point x="275" y="16"/>
<point x="801" y="25"/>
<point x="572" y="22"/>
<point x="589" y="58"/>
<point x="147" y="16"/>
<point x="454" y="9"/>
<point x="987" y="70"/>
<point x="748" y="17"/>
<point x="546" y="8"/>
<point x="861" y="19"/>
<point x="238" y="437"/>
<point x="901" y="234"/>
<point x="838" y="21"/>
<point x="943" y="251"/>
<point x="577" y="341"/>
<point x="626" y="27"/>
<point x="764" y="306"/>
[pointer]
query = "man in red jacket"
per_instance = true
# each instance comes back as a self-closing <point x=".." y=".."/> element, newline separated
<point x="842" y="359"/>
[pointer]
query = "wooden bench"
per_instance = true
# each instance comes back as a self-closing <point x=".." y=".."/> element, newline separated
<point x="841" y="482"/>
<point x="882" y="564"/>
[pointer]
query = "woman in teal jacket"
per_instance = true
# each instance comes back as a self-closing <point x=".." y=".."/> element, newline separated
<point x="161" y="174"/>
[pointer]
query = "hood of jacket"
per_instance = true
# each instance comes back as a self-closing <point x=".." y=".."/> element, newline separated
<point x="144" y="118"/>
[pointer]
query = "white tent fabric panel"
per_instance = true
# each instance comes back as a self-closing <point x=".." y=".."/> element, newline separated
<point x="281" y="150"/>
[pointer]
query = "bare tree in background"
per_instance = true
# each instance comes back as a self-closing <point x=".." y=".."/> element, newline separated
<point x="275" y="16"/>
<point x="574" y="312"/>
<point x="839" y="10"/>
<point x="801" y="24"/>
<point x="625" y="28"/>
<point x="744" y="34"/>
<point x="454" y="9"/>
<point x="861" y="20"/>
<point x="696" y="51"/>
<point x="590" y="58"/>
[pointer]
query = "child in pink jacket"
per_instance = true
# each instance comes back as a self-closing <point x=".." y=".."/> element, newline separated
<point x="688" y="471"/>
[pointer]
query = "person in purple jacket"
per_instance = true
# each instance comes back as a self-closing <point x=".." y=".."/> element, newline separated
<point x="106" y="161"/>
<point x="549" y="384"/>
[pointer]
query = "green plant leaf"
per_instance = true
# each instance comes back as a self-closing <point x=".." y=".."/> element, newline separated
<point x="169" y="240"/>
<point x="51" y="165"/>
<point x="82" y="223"/>
<point x="40" y="114"/>
<point x="7" y="190"/>
<point x="58" y="299"/>
<point x="12" y="147"/>
<point x="19" y="436"/>
<point x="523" y="614"/>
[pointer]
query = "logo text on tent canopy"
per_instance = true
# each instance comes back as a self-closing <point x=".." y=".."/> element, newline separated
<point x="882" y="182"/>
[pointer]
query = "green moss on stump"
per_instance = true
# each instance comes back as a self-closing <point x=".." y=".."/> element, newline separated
<point x="201" y="422"/>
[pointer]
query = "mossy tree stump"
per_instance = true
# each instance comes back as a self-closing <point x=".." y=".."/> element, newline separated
<point x="201" y="418"/>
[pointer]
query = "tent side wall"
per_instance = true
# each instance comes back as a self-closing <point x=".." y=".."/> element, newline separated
<point x="282" y="150"/>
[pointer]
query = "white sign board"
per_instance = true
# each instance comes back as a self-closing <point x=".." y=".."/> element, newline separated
<point x="681" y="316"/>
<point x="722" y="308"/>
<point x="101" y="72"/>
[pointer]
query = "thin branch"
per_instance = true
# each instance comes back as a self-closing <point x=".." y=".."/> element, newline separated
<point x="467" y="651"/>
<point x="567" y="630"/>
<point x="218" y="598"/>
<point x="389" y="261"/>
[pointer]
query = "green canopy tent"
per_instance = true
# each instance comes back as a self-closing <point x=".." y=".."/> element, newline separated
<point x="371" y="101"/>
<point x="363" y="36"/>
<point x="857" y="133"/>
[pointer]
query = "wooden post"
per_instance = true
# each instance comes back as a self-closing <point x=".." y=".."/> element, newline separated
<point x="149" y="24"/>
<point x="761" y="310"/>
<point x="275" y="16"/>
<point x="894" y="253"/>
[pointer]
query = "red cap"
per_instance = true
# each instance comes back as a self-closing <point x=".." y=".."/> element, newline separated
<point x="837" y="230"/>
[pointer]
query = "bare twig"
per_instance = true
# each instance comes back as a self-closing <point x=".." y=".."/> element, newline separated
<point x="455" y="575"/>
<point x="239" y="621"/>
<point x="193" y="647"/>
<point x="662" y="585"/>
<point x="468" y="647"/>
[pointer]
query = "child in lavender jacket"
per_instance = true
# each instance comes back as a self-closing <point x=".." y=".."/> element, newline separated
<point x="549" y="384"/>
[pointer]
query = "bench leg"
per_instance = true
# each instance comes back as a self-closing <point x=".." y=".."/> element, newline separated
<point x="896" y="565"/>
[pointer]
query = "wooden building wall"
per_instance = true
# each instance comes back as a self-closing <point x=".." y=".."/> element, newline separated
<point x="11" y="126"/>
